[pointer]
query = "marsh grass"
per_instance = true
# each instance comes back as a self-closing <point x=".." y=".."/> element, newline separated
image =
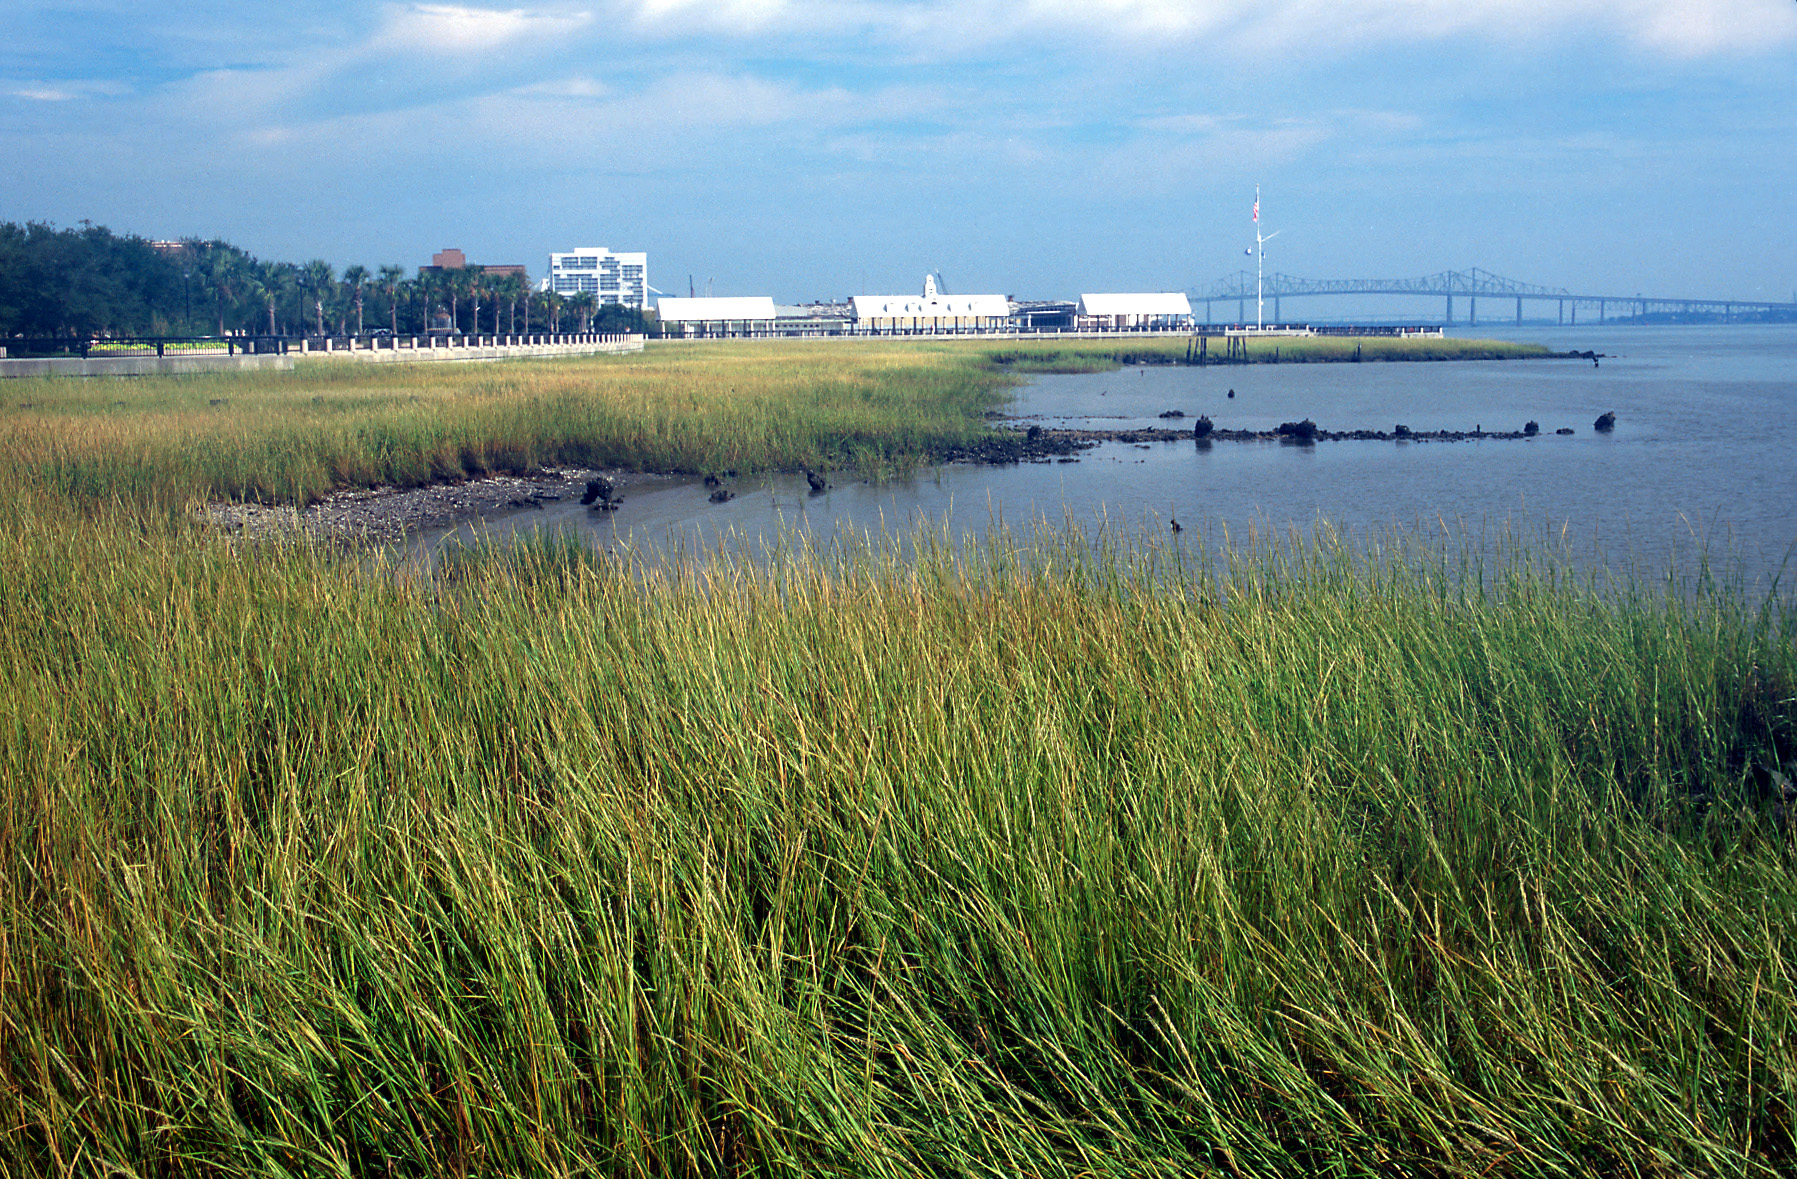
<point x="1050" y="855"/>
<point x="293" y="437"/>
<point x="290" y="438"/>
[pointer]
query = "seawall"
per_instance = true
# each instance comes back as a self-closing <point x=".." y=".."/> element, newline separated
<point x="137" y="366"/>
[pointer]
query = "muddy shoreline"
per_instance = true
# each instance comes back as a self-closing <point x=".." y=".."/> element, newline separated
<point x="383" y="514"/>
<point x="386" y="514"/>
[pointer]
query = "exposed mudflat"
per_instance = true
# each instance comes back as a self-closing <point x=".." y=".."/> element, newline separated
<point x="388" y="513"/>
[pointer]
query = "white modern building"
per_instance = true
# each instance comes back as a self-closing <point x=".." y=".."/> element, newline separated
<point x="607" y="276"/>
<point x="931" y="311"/>
<point x="1117" y="313"/>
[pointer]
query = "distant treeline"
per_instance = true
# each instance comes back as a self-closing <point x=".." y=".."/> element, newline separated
<point x="91" y="282"/>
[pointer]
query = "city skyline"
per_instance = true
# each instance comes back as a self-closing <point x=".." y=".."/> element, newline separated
<point x="1034" y="149"/>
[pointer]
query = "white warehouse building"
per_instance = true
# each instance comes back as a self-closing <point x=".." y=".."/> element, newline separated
<point x="931" y="312"/>
<point x="1118" y="313"/>
<point x="746" y="315"/>
<point x="609" y="277"/>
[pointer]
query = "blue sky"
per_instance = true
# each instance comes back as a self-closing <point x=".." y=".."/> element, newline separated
<point x="1038" y="148"/>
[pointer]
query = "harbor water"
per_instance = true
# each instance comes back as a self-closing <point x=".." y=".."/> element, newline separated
<point x="1701" y="465"/>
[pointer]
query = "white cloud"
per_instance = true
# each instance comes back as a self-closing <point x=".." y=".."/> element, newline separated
<point x="740" y="16"/>
<point x="575" y="87"/>
<point x="455" y="28"/>
<point x="1678" y="28"/>
<point x="64" y="91"/>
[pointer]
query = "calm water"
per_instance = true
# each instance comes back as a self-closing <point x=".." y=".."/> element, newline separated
<point x="1704" y="454"/>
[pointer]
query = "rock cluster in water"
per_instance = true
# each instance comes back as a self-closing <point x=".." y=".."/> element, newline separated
<point x="1040" y="444"/>
<point x="601" y="495"/>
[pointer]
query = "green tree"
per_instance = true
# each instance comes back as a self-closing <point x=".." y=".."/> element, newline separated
<point x="389" y="279"/>
<point x="583" y="305"/>
<point x="276" y="282"/>
<point x="223" y="270"/>
<point x="506" y="288"/>
<point x="319" y="281"/>
<point x="355" y="281"/>
<point x="453" y="284"/>
<point x="619" y="319"/>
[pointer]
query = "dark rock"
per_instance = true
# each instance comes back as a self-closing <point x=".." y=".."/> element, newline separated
<point x="722" y="495"/>
<point x="1174" y="413"/>
<point x="1402" y="431"/>
<point x="713" y="481"/>
<point x="1564" y="430"/>
<point x="1304" y="431"/>
<point x="600" y="489"/>
<point x="1530" y="429"/>
<point x="1232" y="394"/>
<point x="1033" y="433"/>
<point x="1605" y="422"/>
<point x="1202" y="427"/>
<point x="816" y="480"/>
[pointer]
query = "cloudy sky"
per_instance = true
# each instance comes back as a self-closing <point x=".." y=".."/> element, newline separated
<point x="1031" y="147"/>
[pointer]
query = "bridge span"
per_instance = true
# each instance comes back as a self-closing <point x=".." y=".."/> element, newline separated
<point x="1475" y="284"/>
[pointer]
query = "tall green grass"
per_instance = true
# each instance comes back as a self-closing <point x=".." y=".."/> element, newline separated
<point x="293" y="437"/>
<point x="1046" y="857"/>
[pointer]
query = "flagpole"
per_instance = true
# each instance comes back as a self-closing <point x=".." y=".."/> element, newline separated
<point x="1260" y="267"/>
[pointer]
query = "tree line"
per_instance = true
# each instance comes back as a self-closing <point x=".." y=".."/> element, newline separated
<point x="90" y="282"/>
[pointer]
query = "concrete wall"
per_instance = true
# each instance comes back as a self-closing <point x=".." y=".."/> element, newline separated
<point x="138" y="366"/>
<point x="387" y="351"/>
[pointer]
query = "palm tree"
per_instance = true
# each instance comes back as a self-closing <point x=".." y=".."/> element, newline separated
<point x="476" y="281"/>
<point x="506" y="289"/>
<point x="452" y="284"/>
<point x="274" y="280"/>
<point x="420" y="289"/>
<point x="222" y="268"/>
<point x="553" y="302"/>
<point x="583" y="305"/>
<point x="354" y="279"/>
<point x="390" y="278"/>
<point x="318" y="279"/>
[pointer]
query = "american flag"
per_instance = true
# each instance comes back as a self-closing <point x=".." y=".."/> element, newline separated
<point x="1257" y="209"/>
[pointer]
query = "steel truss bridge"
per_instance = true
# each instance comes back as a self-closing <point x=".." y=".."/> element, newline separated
<point x="1473" y="285"/>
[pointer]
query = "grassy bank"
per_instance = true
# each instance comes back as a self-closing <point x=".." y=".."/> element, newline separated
<point x="1035" y="860"/>
<point x="292" y="437"/>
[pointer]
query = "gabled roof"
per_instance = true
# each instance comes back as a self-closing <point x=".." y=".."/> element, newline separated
<point x="1164" y="303"/>
<point x="677" y="310"/>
